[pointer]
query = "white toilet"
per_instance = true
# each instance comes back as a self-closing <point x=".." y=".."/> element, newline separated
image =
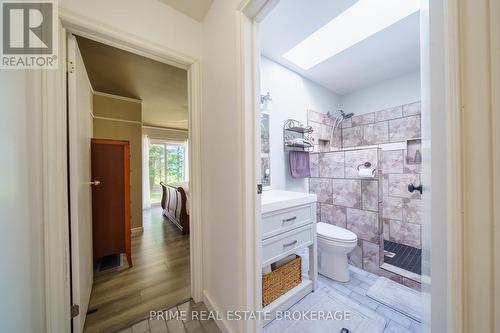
<point x="334" y="243"/>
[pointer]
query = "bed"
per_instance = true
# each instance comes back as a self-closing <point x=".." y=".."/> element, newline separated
<point x="175" y="204"/>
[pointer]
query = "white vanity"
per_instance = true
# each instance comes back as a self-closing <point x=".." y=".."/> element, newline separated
<point x="289" y="226"/>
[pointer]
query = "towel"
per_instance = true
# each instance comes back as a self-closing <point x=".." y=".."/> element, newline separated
<point x="299" y="164"/>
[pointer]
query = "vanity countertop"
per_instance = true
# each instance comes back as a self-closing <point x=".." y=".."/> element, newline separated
<point x="276" y="199"/>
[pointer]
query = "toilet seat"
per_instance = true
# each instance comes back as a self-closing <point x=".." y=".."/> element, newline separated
<point x="334" y="233"/>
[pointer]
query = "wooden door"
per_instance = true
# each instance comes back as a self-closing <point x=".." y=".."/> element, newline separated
<point x="111" y="198"/>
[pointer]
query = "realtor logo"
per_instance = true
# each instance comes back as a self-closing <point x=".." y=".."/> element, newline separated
<point x="29" y="34"/>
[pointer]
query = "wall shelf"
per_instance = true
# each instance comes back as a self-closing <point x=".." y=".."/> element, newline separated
<point x="296" y="136"/>
<point x="414" y="151"/>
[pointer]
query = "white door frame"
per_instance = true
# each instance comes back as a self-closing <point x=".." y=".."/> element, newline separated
<point x="446" y="307"/>
<point x="53" y="101"/>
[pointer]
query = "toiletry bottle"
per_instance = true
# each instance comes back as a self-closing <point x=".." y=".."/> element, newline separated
<point x="418" y="157"/>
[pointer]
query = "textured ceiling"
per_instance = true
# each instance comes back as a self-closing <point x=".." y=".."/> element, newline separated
<point x="390" y="53"/>
<point x="161" y="87"/>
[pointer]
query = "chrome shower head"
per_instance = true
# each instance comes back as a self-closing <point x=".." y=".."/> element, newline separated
<point x="346" y="115"/>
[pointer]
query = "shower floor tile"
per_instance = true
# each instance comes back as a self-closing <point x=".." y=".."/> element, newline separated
<point x="405" y="257"/>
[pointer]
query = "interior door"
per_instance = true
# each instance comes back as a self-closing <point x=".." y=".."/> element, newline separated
<point x="80" y="133"/>
<point x="111" y="198"/>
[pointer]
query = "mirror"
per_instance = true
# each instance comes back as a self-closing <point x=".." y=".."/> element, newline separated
<point x="264" y="150"/>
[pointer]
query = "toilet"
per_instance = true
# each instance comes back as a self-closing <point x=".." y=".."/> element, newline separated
<point x="334" y="243"/>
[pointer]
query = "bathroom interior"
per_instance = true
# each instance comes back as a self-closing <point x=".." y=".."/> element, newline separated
<point x="341" y="164"/>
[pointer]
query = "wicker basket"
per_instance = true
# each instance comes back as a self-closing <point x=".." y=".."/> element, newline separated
<point x="281" y="280"/>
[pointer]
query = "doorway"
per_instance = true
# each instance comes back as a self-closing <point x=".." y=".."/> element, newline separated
<point x="158" y="271"/>
<point x="252" y="25"/>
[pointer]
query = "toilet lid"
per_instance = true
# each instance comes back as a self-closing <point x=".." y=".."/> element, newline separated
<point x="332" y="232"/>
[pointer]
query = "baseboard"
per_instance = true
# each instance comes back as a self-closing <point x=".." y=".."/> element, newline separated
<point x="137" y="231"/>
<point x="211" y="306"/>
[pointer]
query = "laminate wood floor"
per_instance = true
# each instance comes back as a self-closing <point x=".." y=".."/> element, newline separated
<point x="159" y="279"/>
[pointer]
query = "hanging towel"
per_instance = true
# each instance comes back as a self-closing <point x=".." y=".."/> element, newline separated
<point x="299" y="164"/>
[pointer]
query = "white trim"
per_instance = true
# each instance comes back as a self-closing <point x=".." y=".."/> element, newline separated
<point x="137" y="122"/>
<point x="137" y="231"/>
<point x="195" y="167"/>
<point x="495" y="105"/>
<point x="89" y="28"/>
<point x="249" y="100"/>
<point x="122" y="98"/>
<point x="52" y="99"/>
<point x="165" y="128"/>
<point x="55" y="199"/>
<point x="119" y="120"/>
<point x="169" y="142"/>
<point x="211" y="306"/>
<point x="455" y="292"/>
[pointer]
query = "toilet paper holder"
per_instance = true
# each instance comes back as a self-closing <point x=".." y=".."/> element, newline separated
<point x="366" y="165"/>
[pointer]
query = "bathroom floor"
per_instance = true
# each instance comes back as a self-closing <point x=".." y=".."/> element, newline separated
<point x="403" y="256"/>
<point x="177" y="325"/>
<point x="354" y="290"/>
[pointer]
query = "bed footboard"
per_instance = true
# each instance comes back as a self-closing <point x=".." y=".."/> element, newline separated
<point x="174" y="204"/>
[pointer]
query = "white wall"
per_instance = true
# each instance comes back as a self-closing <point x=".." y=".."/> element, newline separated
<point x="149" y="20"/>
<point x="222" y="173"/>
<point x="398" y="91"/>
<point x="21" y="243"/>
<point x="292" y="96"/>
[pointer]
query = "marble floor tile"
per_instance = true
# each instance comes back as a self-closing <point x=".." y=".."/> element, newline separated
<point x="175" y="326"/>
<point x="141" y="327"/>
<point x="157" y="326"/>
<point x="194" y="326"/>
<point x="395" y="327"/>
<point x="393" y="315"/>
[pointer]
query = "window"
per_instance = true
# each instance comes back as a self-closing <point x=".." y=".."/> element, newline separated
<point x="167" y="163"/>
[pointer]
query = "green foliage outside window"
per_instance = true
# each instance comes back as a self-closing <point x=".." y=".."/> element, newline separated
<point x="170" y="172"/>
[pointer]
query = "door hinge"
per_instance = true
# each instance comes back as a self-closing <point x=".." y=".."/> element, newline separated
<point x="259" y="188"/>
<point x="71" y="66"/>
<point x="75" y="310"/>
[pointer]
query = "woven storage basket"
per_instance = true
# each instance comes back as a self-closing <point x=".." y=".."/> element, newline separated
<point x="281" y="280"/>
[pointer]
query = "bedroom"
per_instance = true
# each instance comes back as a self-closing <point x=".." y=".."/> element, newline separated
<point x="133" y="147"/>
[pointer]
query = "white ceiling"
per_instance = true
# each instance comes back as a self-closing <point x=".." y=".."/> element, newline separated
<point x="196" y="9"/>
<point x="392" y="52"/>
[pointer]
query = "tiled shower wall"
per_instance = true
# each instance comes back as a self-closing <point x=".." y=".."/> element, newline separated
<point x="351" y="202"/>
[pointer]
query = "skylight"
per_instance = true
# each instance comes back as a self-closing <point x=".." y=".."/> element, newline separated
<point x="360" y="21"/>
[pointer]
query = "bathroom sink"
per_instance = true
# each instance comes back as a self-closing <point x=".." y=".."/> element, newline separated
<point x="276" y="199"/>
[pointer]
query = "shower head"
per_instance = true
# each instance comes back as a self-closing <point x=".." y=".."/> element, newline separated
<point x="346" y="115"/>
<point x="338" y="118"/>
<point x="341" y="114"/>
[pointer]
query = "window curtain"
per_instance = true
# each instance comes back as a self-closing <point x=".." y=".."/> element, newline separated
<point x="186" y="161"/>
<point x="146" y="196"/>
